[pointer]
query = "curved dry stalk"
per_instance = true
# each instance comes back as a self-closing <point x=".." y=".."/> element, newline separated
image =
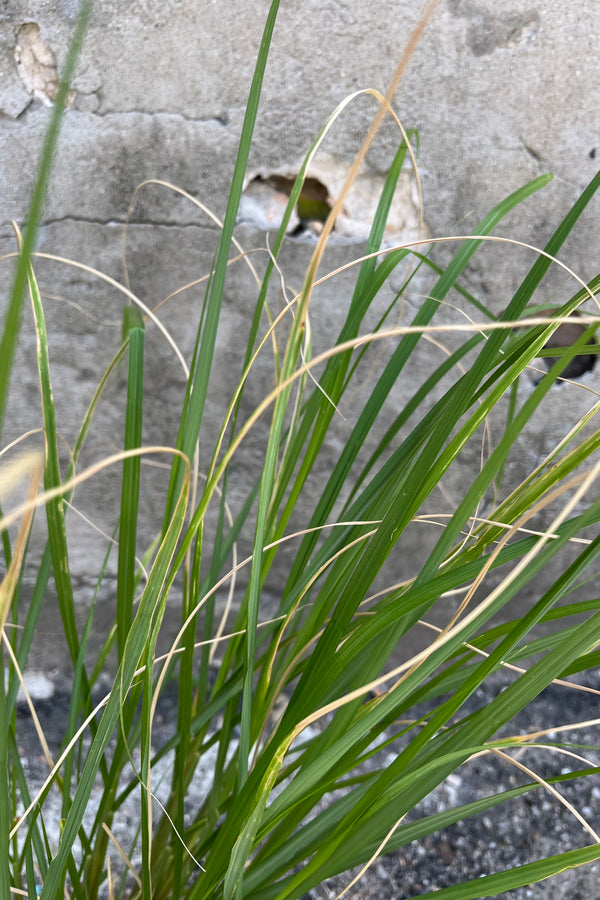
<point x="113" y="323"/>
<point x="54" y="773"/>
<point x="584" y="480"/>
<point x="414" y="39"/>
<point x="286" y="620"/>
<point x="217" y="471"/>
<point x="88" y="473"/>
<point x="150" y="796"/>
<point x="19" y="440"/>
<point x="486" y="424"/>
<point x="372" y="858"/>
<point x="469" y="533"/>
<point x="104" y="534"/>
<point x="176" y="640"/>
<point x="492" y="238"/>
<point x="429" y="519"/>
<point x="356" y="342"/>
<point x="194" y="200"/>
<point x="385" y="335"/>
<point x="243" y="378"/>
<point x="119" y="287"/>
<point x="243" y="254"/>
<point x="36" y="722"/>
<point x="520" y="670"/>
<point x="530" y="513"/>
<point x="231" y="591"/>
<point x="175" y="648"/>
<point x="557" y="729"/>
<point x="289" y="304"/>
<point x="447" y="635"/>
<point x="551" y="790"/>
<point x="31" y="465"/>
<point x="122" y="853"/>
<point x="553" y="453"/>
<point x="204" y="278"/>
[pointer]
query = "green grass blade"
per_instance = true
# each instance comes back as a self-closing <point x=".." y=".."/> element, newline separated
<point x="302" y="794"/>
<point x="136" y="642"/>
<point x="130" y="490"/>
<point x="55" y="508"/>
<point x="52" y="479"/>
<point x="10" y="330"/>
<point x="5" y="792"/>
<point x="267" y="866"/>
<point x="396" y="365"/>
<point x="199" y="376"/>
<point x="519" y="876"/>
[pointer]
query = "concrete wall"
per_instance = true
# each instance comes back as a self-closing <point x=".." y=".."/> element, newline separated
<point x="499" y="93"/>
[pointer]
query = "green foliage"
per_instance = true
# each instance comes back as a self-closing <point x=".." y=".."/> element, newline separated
<point x="292" y="800"/>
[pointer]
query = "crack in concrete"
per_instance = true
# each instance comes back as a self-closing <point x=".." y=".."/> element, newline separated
<point x="223" y="119"/>
<point x="151" y="223"/>
<point x="114" y="223"/>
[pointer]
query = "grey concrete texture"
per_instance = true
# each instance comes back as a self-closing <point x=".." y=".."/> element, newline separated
<point x="499" y="94"/>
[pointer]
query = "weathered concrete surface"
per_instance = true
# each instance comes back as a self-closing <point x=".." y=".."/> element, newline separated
<point x="499" y="95"/>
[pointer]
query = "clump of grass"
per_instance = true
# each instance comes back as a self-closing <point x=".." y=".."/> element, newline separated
<point x="302" y="795"/>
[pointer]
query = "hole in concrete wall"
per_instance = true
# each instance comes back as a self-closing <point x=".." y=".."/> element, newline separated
<point x="36" y="63"/>
<point x="565" y="336"/>
<point x="266" y="195"/>
<point x="313" y="205"/>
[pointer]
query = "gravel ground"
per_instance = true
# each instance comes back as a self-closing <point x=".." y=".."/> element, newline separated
<point x="524" y="830"/>
<point x="521" y="831"/>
